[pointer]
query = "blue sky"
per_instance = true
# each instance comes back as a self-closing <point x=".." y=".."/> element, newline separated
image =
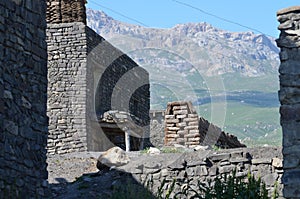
<point x="257" y="14"/>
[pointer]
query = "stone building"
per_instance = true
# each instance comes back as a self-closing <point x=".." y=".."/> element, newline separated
<point x="87" y="78"/>
<point x="289" y="95"/>
<point x="23" y="97"/>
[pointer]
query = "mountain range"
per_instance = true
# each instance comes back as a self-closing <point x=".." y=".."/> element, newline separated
<point x="208" y="66"/>
<point x="211" y="50"/>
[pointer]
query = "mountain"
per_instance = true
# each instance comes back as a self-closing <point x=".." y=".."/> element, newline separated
<point x="231" y="77"/>
<point x="212" y="51"/>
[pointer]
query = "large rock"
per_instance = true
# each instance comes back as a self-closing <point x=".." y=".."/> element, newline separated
<point x="113" y="157"/>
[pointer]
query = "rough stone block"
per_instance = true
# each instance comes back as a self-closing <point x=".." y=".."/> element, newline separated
<point x="197" y="135"/>
<point x="193" y="116"/>
<point x="180" y="116"/>
<point x="270" y="179"/>
<point x="190" y="119"/>
<point x="261" y="161"/>
<point x="201" y="171"/>
<point x="172" y="136"/>
<point x="219" y="157"/>
<point x="173" y="128"/>
<point x="277" y="163"/>
<point x="168" y="121"/>
<point x="182" y="107"/>
<point x="182" y="124"/>
<point x="191" y="128"/>
<point x="226" y="169"/>
<point x="169" y="117"/>
<point x="180" y="112"/>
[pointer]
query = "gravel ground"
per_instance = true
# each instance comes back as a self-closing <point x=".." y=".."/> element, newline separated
<point x="75" y="175"/>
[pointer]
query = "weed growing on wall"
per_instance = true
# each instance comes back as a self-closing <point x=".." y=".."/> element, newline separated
<point x="227" y="186"/>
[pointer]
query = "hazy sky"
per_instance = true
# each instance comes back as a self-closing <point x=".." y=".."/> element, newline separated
<point x="256" y="14"/>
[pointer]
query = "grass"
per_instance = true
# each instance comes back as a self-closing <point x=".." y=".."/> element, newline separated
<point x="226" y="186"/>
<point x="248" y="123"/>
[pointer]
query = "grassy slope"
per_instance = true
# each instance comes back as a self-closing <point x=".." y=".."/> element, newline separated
<point x="255" y="123"/>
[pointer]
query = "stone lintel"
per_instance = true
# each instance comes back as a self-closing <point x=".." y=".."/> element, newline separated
<point x="288" y="10"/>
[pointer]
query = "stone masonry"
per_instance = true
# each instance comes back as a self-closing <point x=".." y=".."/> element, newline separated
<point x="157" y="126"/>
<point x="183" y="126"/>
<point x="205" y="166"/>
<point x="88" y="77"/>
<point x="23" y="86"/>
<point x="289" y="95"/>
<point x="65" y="11"/>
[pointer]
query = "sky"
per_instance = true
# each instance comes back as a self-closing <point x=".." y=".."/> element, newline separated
<point x="257" y="16"/>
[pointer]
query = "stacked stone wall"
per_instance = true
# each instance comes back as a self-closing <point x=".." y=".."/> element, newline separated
<point x="181" y="125"/>
<point x="289" y="95"/>
<point x="23" y="86"/>
<point x="66" y="11"/>
<point x="67" y="46"/>
<point x="204" y="166"/>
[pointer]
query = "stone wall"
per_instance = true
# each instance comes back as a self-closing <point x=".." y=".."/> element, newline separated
<point x="205" y="165"/>
<point x="88" y="77"/>
<point x="180" y="124"/>
<point x="67" y="58"/>
<point x="157" y="126"/>
<point x="289" y="95"/>
<point x="23" y="86"/>
<point x="65" y="11"/>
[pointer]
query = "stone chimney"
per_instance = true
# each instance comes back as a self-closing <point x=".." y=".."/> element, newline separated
<point x="66" y="11"/>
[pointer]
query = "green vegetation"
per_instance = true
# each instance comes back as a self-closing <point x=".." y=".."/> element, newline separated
<point x="172" y="150"/>
<point x="252" y="111"/>
<point x="227" y="186"/>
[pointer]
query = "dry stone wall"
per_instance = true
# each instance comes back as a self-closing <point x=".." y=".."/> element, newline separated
<point x="65" y="11"/>
<point x="289" y="95"/>
<point x="183" y="126"/>
<point x="23" y="86"/>
<point x="67" y="46"/>
<point x="205" y="166"/>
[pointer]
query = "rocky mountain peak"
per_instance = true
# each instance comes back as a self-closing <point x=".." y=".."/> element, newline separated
<point x="200" y="43"/>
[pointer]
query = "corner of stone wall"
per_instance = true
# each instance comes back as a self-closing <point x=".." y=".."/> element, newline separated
<point x="289" y="96"/>
<point x="67" y="87"/>
<point x="23" y="86"/>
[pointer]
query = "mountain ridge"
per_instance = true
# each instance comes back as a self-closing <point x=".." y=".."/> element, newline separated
<point x="223" y="51"/>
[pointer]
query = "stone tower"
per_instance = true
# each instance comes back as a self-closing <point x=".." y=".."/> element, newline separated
<point x="87" y="77"/>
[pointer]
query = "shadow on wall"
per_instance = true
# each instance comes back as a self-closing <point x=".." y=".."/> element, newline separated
<point x="115" y="82"/>
<point x="110" y="184"/>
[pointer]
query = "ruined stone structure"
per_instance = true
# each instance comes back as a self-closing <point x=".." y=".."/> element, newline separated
<point x="181" y="122"/>
<point x="88" y="77"/>
<point x="289" y="95"/>
<point x="183" y="126"/>
<point x="23" y="86"/>
<point x="207" y="165"/>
